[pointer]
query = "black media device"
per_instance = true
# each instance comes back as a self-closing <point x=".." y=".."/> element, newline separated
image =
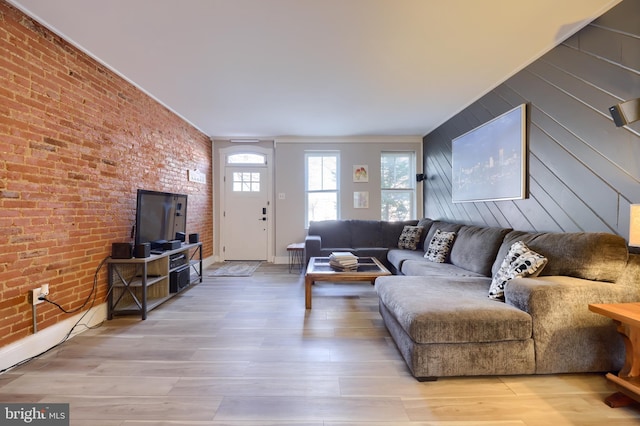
<point x="181" y="236"/>
<point x="172" y="245"/>
<point x="176" y="260"/>
<point x="159" y="217"/>
<point x="194" y="238"/>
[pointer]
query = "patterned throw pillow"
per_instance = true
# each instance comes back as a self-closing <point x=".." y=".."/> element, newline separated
<point x="410" y="237"/>
<point x="519" y="262"/>
<point x="439" y="246"/>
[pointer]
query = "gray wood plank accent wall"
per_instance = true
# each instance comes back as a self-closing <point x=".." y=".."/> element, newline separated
<point x="584" y="172"/>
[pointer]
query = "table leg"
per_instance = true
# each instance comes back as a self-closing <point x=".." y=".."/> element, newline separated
<point x="299" y="259"/>
<point x="618" y="399"/>
<point x="308" y="282"/>
<point x="630" y="370"/>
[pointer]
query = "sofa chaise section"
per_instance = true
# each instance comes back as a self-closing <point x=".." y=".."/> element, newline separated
<point x="564" y="336"/>
<point x="445" y="327"/>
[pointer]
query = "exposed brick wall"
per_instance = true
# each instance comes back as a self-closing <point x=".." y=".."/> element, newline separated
<point x="76" y="142"/>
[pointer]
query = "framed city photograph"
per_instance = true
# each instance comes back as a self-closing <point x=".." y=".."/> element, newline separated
<point x="489" y="162"/>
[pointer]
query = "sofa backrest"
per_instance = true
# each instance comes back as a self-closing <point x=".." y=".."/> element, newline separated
<point x="442" y="226"/>
<point x="475" y="248"/>
<point x="364" y="233"/>
<point x="390" y="232"/>
<point x="355" y="233"/>
<point x="594" y="256"/>
<point x="426" y="223"/>
<point x="334" y="233"/>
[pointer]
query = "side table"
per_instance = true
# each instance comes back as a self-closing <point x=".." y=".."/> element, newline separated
<point x="296" y="256"/>
<point x="627" y="319"/>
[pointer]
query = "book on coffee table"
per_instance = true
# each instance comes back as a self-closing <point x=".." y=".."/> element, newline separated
<point x="343" y="260"/>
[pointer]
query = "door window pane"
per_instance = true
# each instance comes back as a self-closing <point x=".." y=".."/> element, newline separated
<point x="246" y="182"/>
<point x="246" y="158"/>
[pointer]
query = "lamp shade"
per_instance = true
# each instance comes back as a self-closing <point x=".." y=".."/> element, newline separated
<point x="634" y="226"/>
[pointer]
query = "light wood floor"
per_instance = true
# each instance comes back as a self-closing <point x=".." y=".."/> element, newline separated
<point x="244" y="352"/>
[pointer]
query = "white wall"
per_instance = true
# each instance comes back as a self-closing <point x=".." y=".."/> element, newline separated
<point x="289" y="180"/>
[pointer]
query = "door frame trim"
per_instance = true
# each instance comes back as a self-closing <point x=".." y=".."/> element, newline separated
<point x="268" y="153"/>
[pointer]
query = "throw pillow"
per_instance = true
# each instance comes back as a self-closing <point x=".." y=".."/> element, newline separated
<point x="439" y="246"/>
<point x="519" y="262"/>
<point x="410" y="237"/>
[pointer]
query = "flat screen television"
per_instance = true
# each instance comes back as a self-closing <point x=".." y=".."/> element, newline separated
<point x="159" y="216"/>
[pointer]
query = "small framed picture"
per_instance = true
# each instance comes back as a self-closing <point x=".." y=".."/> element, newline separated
<point x="361" y="200"/>
<point x="361" y="173"/>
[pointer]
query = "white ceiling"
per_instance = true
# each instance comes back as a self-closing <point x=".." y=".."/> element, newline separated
<point x="265" y="68"/>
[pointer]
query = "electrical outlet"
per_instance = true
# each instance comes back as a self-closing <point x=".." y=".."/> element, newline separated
<point x="35" y="294"/>
<point x="38" y="294"/>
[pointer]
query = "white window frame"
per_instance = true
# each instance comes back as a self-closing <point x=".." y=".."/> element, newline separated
<point x="411" y="189"/>
<point x="307" y="191"/>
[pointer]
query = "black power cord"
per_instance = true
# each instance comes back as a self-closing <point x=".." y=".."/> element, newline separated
<point x="91" y="297"/>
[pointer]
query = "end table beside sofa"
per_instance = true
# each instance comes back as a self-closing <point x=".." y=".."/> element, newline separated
<point x="444" y="323"/>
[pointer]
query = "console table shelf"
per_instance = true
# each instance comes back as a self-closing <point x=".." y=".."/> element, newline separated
<point x="138" y="285"/>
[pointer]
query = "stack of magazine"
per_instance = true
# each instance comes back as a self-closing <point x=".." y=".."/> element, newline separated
<point x="343" y="260"/>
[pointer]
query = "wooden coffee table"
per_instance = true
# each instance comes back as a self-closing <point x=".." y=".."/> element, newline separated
<point x="627" y="319"/>
<point x="369" y="268"/>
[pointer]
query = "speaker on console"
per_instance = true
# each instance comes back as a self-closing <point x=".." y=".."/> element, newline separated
<point x="179" y="279"/>
<point x="121" y="251"/>
<point x="142" y="250"/>
<point x="181" y="236"/>
<point x="194" y="238"/>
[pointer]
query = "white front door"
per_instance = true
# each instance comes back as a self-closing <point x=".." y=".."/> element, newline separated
<point x="246" y="215"/>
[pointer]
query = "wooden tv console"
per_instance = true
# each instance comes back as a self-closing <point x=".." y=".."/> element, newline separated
<point x="138" y="285"/>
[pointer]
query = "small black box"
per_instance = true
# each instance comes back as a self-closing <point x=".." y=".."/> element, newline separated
<point x="180" y="236"/>
<point x="121" y="251"/>
<point x="172" y="245"/>
<point x="142" y="250"/>
<point x="158" y="244"/>
<point x="194" y="238"/>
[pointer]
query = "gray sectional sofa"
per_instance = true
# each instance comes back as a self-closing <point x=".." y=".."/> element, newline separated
<point x="444" y="323"/>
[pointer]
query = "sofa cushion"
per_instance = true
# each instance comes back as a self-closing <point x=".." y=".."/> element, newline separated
<point x="379" y="253"/>
<point x="520" y="262"/>
<point x="397" y="257"/>
<point x="589" y="255"/>
<point x="410" y="237"/>
<point x="440" y="246"/>
<point x="425" y="268"/>
<point x="334" y="233"/>
<point x="475" y="248"/>
<point x="442" y="310"/>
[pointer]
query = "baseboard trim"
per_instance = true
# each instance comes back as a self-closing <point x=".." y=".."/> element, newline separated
<point x="47" y="338"/>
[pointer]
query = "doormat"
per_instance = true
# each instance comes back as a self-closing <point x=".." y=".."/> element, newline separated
<point x="236" y="269"/>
